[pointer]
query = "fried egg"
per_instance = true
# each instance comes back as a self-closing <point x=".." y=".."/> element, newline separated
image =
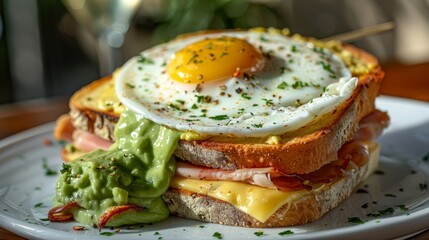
<point x="239" y="83"/>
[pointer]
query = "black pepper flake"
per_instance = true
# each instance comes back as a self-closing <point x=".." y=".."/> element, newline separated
<point x="365" y="205"/>
<point x="423" y="186"/>
<point x="198" y="88"/>
<point x="389" y="195"/>
<point x="207" y="99"/>
<point x="238" y="90"/>
<point x="379" y="172"/>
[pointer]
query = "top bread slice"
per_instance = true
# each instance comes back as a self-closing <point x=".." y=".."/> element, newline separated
<point x="96" y="109"/>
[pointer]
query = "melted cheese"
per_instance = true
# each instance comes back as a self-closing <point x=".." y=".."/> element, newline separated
<point x="258" y="202"/>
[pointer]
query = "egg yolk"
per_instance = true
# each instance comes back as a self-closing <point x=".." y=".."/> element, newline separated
<point x="214" y="59"/>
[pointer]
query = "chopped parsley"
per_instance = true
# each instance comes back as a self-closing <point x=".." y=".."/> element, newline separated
<point x="287" y="232"/>
<point x="217" y="235"/>
<point x="257" y="125"/>
<point x="180" y="101"/>
<point x="259" y="233"/>
<point x="223" y="54"/>
<point x="156" y="233"/>
<point x="44" y="219"/>
<point x="268" y="102"/>
<point x="130" y="85"/>
<point x="355" y="220"/>
<point x="299" y="84"/>
<point x="171" y="105"/>
<point x="403" y="208"/>
<point x="201" y="226"/>
<point x="327" y="67"/>
<point x="283" y="69"/>
<point x="382" y="212"/>
<point x="194" y="106"/>
<point x="38" y="205"/>
<point x="240" y="111"/>
<point x="282" y="85"/>
<point x="144" y="60"/>
<point x="193" y="58"/>
<point x="219" y="117"/>
<point x="293" y="48"/>
<point x="244" y="95"/>
<point x="109" y="234"/>
<point x="65" y="168"/>
<point x="48" y="172"/>
<point x="263" y="39"/>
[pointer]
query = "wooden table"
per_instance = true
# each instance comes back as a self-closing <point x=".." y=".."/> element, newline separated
<point x="401" y="80"/>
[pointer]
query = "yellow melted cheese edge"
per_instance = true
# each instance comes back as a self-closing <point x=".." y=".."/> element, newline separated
<point x="256" y="201"/>
<point x="261" y="203"/>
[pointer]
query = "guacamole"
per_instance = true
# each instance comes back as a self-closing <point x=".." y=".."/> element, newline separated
<point x="137" y="170"/>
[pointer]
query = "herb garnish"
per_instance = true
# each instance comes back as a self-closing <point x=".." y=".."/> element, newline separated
<point x="142" y="59"/>
<point x="282" y="85"/>
<point x="107" y="234"/>
<point x="257" y="125"/>
<point x="65" y="168"/>
<point x="49" y="172"/>
<point x="268" y="102"/>
<point x="217" y="235"/>
<point x="356" y="220"/>
<point x="38" y="205"/>
<point x="287" y="232"/>
<point x="219" y="117"/>
<point x="327" y="67"/>
<point x="381" y="213"/>
<point x="259" y="233"/>
<point x="180" y="101"/>
<point x="299" y="84"/>
<point x="244" y="95"/>
<point x="130" y="85"/>
<point x="194" y="106"/>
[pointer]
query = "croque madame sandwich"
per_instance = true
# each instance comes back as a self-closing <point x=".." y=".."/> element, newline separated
<point x="247" y="128"/>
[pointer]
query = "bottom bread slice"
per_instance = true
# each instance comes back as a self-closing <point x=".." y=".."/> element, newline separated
<point x="307" y="208"/>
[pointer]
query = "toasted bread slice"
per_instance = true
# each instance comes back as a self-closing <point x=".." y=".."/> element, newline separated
<point x="305" y="208"/>
<point x="96" y="109"/>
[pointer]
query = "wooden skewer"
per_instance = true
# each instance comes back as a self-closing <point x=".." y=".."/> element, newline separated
<point x="360" y="33"/>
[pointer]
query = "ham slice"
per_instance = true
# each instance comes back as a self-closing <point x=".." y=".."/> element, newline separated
<point x="88" y="142"/>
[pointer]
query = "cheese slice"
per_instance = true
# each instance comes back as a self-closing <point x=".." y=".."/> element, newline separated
<point x="256" y="201"/>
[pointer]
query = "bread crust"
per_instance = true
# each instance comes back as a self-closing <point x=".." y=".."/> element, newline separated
<point x="301" y="151"/>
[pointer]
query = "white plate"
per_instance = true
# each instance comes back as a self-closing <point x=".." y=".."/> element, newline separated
<point x="26" y="192"/>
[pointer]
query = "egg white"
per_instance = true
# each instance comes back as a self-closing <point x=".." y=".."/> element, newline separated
<point x="297" y="84"/>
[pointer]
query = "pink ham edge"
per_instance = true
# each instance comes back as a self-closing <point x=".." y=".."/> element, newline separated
<point x="88" y="142"/>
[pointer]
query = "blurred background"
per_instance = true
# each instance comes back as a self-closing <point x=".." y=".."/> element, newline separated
<point x="51" y="48"/>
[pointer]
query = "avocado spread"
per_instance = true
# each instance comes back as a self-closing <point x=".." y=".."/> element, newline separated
<point x="135" y="170"/>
